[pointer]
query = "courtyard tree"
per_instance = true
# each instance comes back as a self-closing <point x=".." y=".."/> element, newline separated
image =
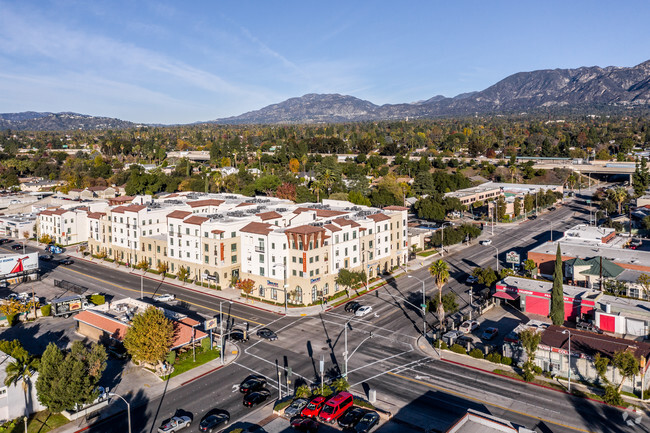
<point x="149" y="337"/>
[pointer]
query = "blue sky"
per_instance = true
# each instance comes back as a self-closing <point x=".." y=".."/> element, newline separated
<point x="180" y="62"/>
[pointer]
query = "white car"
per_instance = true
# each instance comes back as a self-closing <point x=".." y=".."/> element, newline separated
<point x="164" y="298"/>
<point x="486" y="242"/>
<point x="468" y="326"/>
<point x="174" y="424"/>
<point x="362" y="311"/>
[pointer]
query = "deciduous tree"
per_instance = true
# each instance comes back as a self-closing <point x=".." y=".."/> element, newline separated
<point x="149" y="337"/>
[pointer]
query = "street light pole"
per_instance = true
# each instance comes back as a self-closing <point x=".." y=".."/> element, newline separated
<point x="142" y="285"/>
<point x="423" y="307"/>
<point x="221" y="340"/>
<point x="497" y="256"/>
<point x="128" y="408"/>
<point x="566" y="331"/>
<point x="442" y="244"/>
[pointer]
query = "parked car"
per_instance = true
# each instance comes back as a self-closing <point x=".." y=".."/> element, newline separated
<point x="369" y="420"/>
<point x="16" y="247"/>
<point x="588" y="326"/>
<point x="351" y="417"/>
<point x="471" y="280"/>
<point x="307" y="425"/>
<point x="46" y="257"/>
<point x="532" y="217"/>
<point x="213" y="420"/>
<point x="258" y="397"/>
<point x="252" y="383"/>
<point x="238" y="335"/>
<point x="486" y="242"/>
<point x="335" y="407"/>
<point x="450" y="337"/>
<point x="468" y="326"/>
<point x="352" y="306"/>
<point x="313" y="407"/>
<point x="166" y="297"/>
<point x="4" y="241"/>
<point x="363" y="310"/>
<point x="489" y="333"/>
<point x="296" y="407"/>
<point x="67" y="261"/>
<point x="174" y="424"/>
<point x="635" y="243"/>
<point x="267" y="334"/>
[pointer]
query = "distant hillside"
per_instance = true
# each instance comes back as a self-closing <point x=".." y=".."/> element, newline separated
<point x="32" y="121"/>
<point x="586" y="88"/>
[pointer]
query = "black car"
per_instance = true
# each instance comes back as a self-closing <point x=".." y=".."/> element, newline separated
<point x="267" y="334"/>
<point x="253" y="398"/>
<point x="369" y="420"/>
<point x="307" y="425"/>
<point x="238" y="335"/>
<point x="252" y="383"/>
<point x="4" y="241"/>
<point x="67" y="261"/>
<point x="532" y="217"/>
<point x="352" y="306"/>
<point x="16" y="247"/>
<point x="213" y="420"/>
<point x="46" y="257"/>
<point x="351" y="417"/>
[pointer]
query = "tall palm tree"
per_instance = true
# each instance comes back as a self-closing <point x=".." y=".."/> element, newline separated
<point x="316" y="187"/>
<point x="21" y="370"/>
<point x="618" y="195"/>
<point x="439" y="270"/>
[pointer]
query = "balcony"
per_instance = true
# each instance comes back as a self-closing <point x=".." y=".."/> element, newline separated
<point x="259" y="249"/>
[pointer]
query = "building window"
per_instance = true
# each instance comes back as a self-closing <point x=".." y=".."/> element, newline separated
<point x="261" y="258"/>
<point x="233" y="247"/>
<point x="261" y="271"/>
<point x="314" y="293"/>
<point x="234" y="259"/>
<point x="274" y="294"/>
<point x="326" y="289"/>
<point x="262" y="293"/>
<point x="207" y="259"/>
<point x="299" y="295"/>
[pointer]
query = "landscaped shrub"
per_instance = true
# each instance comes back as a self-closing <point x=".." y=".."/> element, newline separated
<point x="506" y="360"/>
<point x="476" y="353"/>
<point x="457" y="348"/>
<point x="46" y="310"/>
<point x="205" y="344"/>
<point x="12" y="319"/>
<point x="97" y="299"/>
<point x="494" y="357"/>
<point x="441" y="345"/>
<point x="280" y="405"/>
<point x="171" y="357"/>
<point x="362" y="403"/>
<point x="612" y="396"/>
<point x="537" y="369"/>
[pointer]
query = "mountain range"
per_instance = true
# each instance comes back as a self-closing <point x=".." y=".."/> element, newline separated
<point x="583" y="89"/>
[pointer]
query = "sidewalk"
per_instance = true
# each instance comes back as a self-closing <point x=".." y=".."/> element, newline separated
<point x="489" y="367"/>
<point x="141" y="385"/>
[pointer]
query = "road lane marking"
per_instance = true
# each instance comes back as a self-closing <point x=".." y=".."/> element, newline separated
<point x="478" y="400"/>
<point x="151" y="293"/>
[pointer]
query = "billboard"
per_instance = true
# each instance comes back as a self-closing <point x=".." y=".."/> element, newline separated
<point x="18" y="263"/>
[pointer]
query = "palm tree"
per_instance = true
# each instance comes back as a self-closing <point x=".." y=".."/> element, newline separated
<point x="21" y="370"/>
<point x="316" y="187"/>
<point x="618" y="195"/>
<point x="327" y="179"/>
<point x="440" y="272"/>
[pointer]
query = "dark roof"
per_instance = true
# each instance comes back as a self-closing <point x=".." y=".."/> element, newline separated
<point x="589" y="343"/>
<point x="610" y="269"/>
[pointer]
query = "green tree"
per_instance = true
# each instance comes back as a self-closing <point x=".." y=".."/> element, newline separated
<point x="69" y="379"/>
<point x="246" y="286"/>
<point x="557" y="293"/>
<point x="501" y="208"/>
<point x="303" y="391"/>
<point x="517" y="207"/>
<point x="644" y="282"/>
<point x="440" y="273"/>
<point x="183" y="273"/>
<point x="641" y="177"/>
<point x="618" y="195"/>
<point x="626" y="364"/>
<point x="529" y="203"/>
<point x="449" y="303"/>
<point x="486" y="276"/>
<point x="529" y="266"/>
<point x="21" y="370"/>
<point x="529" y="340"/>
<point x="341" y="384"/>
<point x="150" y="336"/>
<point x="346" y="279"/>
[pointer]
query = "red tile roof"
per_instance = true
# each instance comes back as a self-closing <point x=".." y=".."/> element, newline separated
<point x="179" y="214"/>
<point x="206" y="202"/>
<point x="399" y="208"/>
<point x="123" y="198"/>
<point x="245" y="204"/>
<point x="268" y="215"/>
<point x="196" y="219"/>
<point x="345" y="222"/>
<point x="305" y="230"/>
<point x="134" y="208"/>
<point x="216" y="231"/>
<point x="114" y="327"/>
<point x="258" y="228"/>
<point x="96" y="215"/>
<point x="325" y="213"/>
<point x="379" y="217"/>
<point x="332" y="228"/>
<point x="183" y="334"/>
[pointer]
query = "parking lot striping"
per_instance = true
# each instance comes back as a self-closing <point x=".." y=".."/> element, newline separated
<point x="478" y="400"/>
<point x="151" y="293"/>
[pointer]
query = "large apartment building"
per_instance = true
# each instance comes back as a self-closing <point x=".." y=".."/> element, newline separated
<point x="287" y="249"/>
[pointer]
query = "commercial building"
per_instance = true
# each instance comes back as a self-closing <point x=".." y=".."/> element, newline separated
<point x="291" y="251"/>
<point x="474" y="422"/>
<point x="553" y="354"/>
<point x="18" y="226"/>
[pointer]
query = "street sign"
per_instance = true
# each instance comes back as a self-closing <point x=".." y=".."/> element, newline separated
<point x="210" y="324"/>
<point x="513" y="257"/>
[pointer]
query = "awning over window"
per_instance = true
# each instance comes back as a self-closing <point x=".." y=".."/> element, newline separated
<point x="505" y="295"/>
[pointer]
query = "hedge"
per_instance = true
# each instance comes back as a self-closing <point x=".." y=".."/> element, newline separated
<point x="457" y="348"/>
<point x="98" y="299"/>
<point x="494" y="357"/>
<point x="506" y="360"/>
<point x="362" y="403"/>
<point x="476" y="353"/>
<point x="46" y="310"/>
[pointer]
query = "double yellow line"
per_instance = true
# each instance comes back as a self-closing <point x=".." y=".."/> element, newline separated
<point x="151" y="293"/>
<point x="487" y="403"/>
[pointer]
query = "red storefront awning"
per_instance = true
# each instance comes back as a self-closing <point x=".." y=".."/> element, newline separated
<point x="505" y="295"/>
